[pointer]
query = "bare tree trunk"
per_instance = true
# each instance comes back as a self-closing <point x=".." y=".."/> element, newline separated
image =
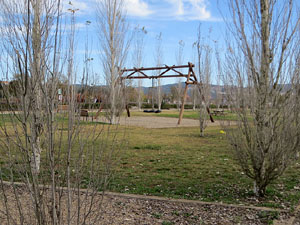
<point x="37" y="74"/>
<point x="179" y="61"/>
<point x="137" y="58"/>
<point x="195" y="97"/>
<point x="159" y="59"/>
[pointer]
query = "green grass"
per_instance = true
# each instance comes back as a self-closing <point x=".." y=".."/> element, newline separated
<point x="177" y="163"/>
<point x="180" y="165"/>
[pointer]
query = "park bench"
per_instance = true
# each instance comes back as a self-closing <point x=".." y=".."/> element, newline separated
<point x="84" y="113"/>
<point x="218" y="112"/>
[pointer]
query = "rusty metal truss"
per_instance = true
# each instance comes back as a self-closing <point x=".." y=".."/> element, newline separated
<point x="165" y="72"/>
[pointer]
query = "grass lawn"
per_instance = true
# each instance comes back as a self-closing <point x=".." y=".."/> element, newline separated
<point x="178" y="163"/>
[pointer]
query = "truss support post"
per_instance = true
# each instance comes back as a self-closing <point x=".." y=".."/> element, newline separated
<point x="182" y="104"/>
<point x="127" y="110"/>
<point x="184" y="94"/>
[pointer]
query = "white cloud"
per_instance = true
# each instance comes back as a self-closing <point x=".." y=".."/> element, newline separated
<point x="185" y="9"/>
<point x="137" y="8"/>
<point x="160" y="9"/>
<point x="198" y="9"/>
<point x="177" y="7"/>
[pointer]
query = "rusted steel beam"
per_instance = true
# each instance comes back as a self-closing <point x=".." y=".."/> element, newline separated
<point x="184" y="95"/>
<point x="131" y="76"/>
<point x="157" y="68"/>
<point x="145" y="75"/>
<point x="162" y="73"/>
<point x="172" y="68"/>
<point x="190" y="79"/>
<point x="153" y="77"/>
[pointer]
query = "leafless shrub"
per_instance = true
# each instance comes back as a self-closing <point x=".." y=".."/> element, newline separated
<point x="203" y="72"/>
<point x="261" y="73"/>
<point x="137" y="58"/>
<point x="53" y="155"/>
<point x="179" y="60"/>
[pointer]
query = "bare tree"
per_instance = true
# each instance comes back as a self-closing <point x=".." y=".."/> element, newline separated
<point x="47" y="152"/>
<point x="219" y="91"/>
<point x="114" y="40"/>
<point x="203" y="71"/>
<point x="179" y="61"/>
<point x="158" y="57"/>
<point x="262" y="82"/>
<point x="137" y="58"/>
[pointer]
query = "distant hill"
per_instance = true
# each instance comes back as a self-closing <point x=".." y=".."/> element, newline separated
<point x="214" y="89"/>
<point x="167" y="89"/>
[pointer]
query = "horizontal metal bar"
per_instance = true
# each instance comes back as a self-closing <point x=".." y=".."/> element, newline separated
<point x="154" y="77"/>
<point x="158" y="68"/>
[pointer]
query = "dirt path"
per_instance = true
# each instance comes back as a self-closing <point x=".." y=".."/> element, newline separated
<point x="158" y="122"/>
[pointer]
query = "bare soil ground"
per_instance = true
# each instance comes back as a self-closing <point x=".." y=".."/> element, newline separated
<point x="146" y="211"/>
<point x="118" y="209"/>
<point x="158" y="122"/>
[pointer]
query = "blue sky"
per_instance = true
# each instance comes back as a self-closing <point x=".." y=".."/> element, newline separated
<point x="175" y="19"/>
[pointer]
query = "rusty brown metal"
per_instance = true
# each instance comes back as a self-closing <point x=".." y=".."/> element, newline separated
<point x="157" y="68"/>
<point x="184" y="96"/>
<point x="190" y="79"/>
<point x="135" y="73"/>
<point x="154" y="77"/>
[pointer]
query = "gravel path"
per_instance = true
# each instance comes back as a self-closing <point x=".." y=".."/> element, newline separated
<point x="158" y="122"/>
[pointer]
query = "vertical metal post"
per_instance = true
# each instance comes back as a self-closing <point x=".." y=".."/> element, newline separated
<point x="152" y="94"/>
<point x="184" y="94"/>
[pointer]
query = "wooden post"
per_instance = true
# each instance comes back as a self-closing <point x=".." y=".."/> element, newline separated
<point x="184" y="94"/>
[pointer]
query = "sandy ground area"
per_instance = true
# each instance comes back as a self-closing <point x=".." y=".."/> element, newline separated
<point x="158" y="122"/>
